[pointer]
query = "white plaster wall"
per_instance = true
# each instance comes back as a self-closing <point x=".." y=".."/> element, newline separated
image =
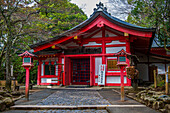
<point x="49" y="80"/>
<point x="115" y="42"/>
<point x="42" y="70"/>
<point x="96" y="80"/>
<point x="91" y="43"/>
<point x="63" y="63"/>
<point x="56" y="70"/>
<point x="115" y="79"/>
<point x="98" y="61"/>
<point x="143" y="72"/>
<point x="114" y="49"/>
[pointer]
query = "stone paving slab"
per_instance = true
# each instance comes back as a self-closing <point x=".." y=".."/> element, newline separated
<point x="74" y="97"/>
<point x="114" y="98"/>
<point x="131" y="110"/>
<point x="35" y="98"/>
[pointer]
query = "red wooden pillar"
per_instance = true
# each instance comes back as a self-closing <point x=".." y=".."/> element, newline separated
<point x="39" y="73"/>
<point x="66" y="71"/>
<point x="64" y="74"/>
<point x="103" y="46"/>
<point x="103" y="49"/>
<point x="59" y="71"/>
<point x="27" y="82"/>
<point x="93" y="72"/>
<point x="127" y="60"/>
<point x="91" y="78"/>
<point x="70" y="71"/>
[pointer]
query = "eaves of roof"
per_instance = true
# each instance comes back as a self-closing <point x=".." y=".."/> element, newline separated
<point x="89" y="20"/>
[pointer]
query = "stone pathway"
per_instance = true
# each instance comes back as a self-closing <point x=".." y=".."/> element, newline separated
<point x="74" y="97"/>
<point x="80" y="97"/>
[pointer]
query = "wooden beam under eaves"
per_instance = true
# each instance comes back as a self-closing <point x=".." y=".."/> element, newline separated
<point x="59" y="46"/>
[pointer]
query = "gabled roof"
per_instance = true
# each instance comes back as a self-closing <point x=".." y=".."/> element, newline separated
<point x="26" y="53"/>
<point x="122" y="52"/>
<point x="100" y="11"/>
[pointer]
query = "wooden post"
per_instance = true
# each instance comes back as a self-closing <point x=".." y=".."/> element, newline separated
<point x="122" y="84"/>
<point x="39" y="73"/>
<point x="27" y="83"/>
<point x="155" y="78"/>
<point x="166" y="82"/>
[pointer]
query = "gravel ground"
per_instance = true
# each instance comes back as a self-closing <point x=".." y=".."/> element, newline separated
<point x="74" y="97"/>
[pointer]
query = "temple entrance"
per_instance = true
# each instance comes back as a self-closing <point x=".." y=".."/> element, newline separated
<point x="80" y="71"/>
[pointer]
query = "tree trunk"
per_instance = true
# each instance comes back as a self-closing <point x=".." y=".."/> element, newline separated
<point x="7" y="55"/>
<point x="135" y="84"/>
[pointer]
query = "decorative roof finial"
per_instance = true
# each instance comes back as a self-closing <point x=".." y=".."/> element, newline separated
<point x="100" y="7"/>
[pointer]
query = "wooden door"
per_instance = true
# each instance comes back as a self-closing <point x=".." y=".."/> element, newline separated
<point x="80" y="71"/>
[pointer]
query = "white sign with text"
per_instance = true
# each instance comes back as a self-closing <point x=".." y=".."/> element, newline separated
<point x="101" y="76"/>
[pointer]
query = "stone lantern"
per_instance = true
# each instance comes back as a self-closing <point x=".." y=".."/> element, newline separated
<point x="122" y="63"/>
<point x="27" y="64"/>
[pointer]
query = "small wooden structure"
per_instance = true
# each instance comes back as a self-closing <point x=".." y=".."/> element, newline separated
<point x="27" y="64"/>
<point x="121" y="62"/>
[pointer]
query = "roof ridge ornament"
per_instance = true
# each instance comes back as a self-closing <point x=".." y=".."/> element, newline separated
<point x="100" y="7"/>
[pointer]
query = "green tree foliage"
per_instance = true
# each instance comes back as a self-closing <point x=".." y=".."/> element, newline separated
<point x="24" y="22"/>
<point x="58" y="16"/>
<point x="152" y="13"/>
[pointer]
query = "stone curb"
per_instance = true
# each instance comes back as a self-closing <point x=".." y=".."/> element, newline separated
<point x="33" y="107"/>
<point x="95" y="89"/>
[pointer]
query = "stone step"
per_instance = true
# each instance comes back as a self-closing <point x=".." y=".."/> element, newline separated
<point x="34" y="107"/>
<point x="78" y="86"/>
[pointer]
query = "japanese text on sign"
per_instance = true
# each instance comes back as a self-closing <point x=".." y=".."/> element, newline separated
<point x="101" y="76"/>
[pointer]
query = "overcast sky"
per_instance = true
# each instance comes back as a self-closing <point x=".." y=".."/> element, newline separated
<point x="117" y="8"/>
<point x="88" y="5"/>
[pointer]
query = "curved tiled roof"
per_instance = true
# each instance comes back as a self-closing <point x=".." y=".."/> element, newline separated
<point x="101" y="10"/>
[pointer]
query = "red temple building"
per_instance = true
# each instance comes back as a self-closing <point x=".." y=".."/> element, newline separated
<point x="75" y="56"/>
